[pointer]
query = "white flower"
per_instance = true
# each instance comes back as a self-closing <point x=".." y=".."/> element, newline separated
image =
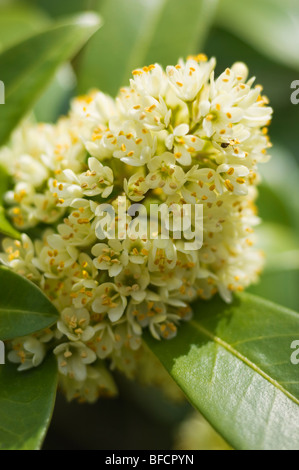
<point x="97" y="180"/>
<point x="134" y="144"/>
<point x="133" y="281"/>
<point x="29" y="170"/>
<point x="189" y="78"/>
<point x="109" y="300"/>
<point x="99" y="382"/>
<point x="112" y="257"/>
<point x="29" y="352"/>
<point x="137" y="187"/>
<point x="150" y="81"/>
<point x="185" y="145"/>
<point x="18" y="255"/>
<point x="73" y="359"/>
<point x="187" y="142"/>
<point x="165" y="174"/>
<point x="55" y="257"/>
<point x="162" y="256"/>
<point x="104" y="342"/>
<point x="75" y="324"/>
<point x="138" y="250"/>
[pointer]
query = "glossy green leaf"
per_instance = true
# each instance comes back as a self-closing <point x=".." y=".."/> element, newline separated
<point x="26" y="405"/>
<point x="271" y="26"/>
<point x="233" y="363"/>
<point x="24" y="309"/>
<point x="141" y="32"/>
<point x="28" y="67"/>
<point x="5" y="227"/>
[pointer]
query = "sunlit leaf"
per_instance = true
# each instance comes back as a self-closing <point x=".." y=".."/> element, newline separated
<point x="233" y="363"/>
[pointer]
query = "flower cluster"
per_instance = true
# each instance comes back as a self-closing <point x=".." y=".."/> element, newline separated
<point x="179" y="136"/>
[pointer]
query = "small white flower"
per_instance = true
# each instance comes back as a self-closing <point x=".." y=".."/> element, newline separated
<point x="75" y="324"/>
<point x="150" y="81"/>
<point x="109" y="300"/>
<point x="112" y="257"/>
<point x="185" y="145"/>
<point x="97" y="180"/>
<point x="99" y="382"/>
<point x="29" y="352"/>
<point x="137" y="187"/>
<point x="138" y="250"/>
<point x="133" y="281"/>
<point x="188" y="78"/>
<point x="29" y="170"/>
<point x="184" y="138"/>
<point x="162" y="256"/>
<point x="73" y="359"/>
<point x="165" y="174"/>
<point x="56" y="257"/>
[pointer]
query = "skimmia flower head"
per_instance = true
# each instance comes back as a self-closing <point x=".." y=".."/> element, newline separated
<point x="171" y="138"/>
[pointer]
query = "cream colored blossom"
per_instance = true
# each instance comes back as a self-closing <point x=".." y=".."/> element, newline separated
<point x="182" y="137"/>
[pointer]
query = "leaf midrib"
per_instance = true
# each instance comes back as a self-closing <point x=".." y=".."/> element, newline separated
<point x="244" y="359"/>
<point x="26" y="312"/>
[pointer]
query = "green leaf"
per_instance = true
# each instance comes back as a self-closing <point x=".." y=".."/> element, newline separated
<point x="24" y="309"/>
<point x="141" y="32"/>
<point x="5" y="227"/>
<point x="55" y="101"/>
<point x="271" y="26"/>
<point x="18" y="20"/>
<point x="26" y="405"/>
<point x="28" y="67"/>
<point x="233" y="363"/>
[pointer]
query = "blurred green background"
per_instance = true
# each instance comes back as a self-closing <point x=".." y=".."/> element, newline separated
<point x="262" y="33"/>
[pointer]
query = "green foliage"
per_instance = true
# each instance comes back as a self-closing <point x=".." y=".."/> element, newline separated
<point x="271" y="26"/>
<point x="24" y="309"/>
<point x="28" y="67"/>
<point x="138" y="33"/>
<point x="233" y="363"/>
<point x="26" y="405"/>
<point x="18" y="20"/>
